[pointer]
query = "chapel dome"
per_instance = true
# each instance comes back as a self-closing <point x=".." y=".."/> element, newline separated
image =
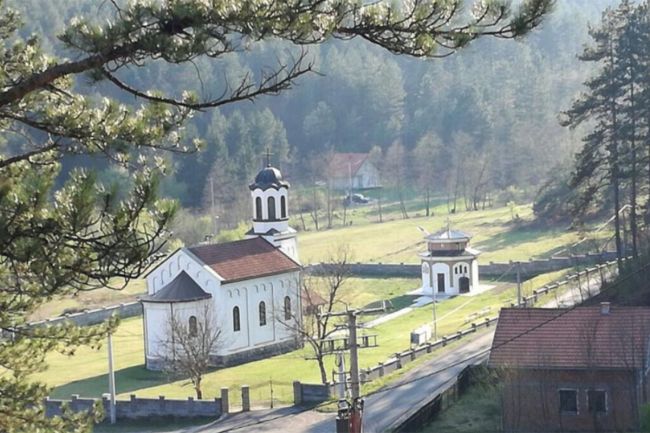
<point x="269" y="177"/>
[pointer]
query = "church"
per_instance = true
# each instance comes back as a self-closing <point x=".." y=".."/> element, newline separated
<point x="450" y="265"/>
<point x="250" y="286"/>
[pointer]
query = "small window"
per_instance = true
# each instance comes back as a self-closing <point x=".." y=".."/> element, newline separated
<point x="262" y="309"/>
<point x="236" y="324"/>
<point x="568" y="401"/>
<point x="194" y="331"/>
<point x="283" y="206"/>
<point x="287" y="308"/>
<point x="271" y="209"/>
<point x="258" y="208"/>
<point x="597" y="401"/>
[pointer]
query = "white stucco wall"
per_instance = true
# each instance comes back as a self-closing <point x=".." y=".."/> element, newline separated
<point x="280" y="224"/>
<point x="442" y="268"/>
<point x="245" y="294"/>
<point x="157" y="318"/>
<point x="475" y="276"/>
<point x="182" y="260"/>
<point x="426" y="278"/>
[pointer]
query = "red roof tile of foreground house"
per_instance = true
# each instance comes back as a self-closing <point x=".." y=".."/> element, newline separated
<point x="583" y="337"/>
<point x="346" y="164"/>
<point x="245" y="259"/>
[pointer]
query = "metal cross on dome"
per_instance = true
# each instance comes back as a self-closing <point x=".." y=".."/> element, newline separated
<point x="268" y="156"/>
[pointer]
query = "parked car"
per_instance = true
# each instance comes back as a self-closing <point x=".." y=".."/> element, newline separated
<point x="355" y="199"/>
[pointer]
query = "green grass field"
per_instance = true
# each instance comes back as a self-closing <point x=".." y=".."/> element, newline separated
<point x="85" y="372"/>
<point x="399" y="240"/>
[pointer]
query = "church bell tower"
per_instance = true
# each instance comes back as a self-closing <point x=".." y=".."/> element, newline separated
<point x="270" y="195"/>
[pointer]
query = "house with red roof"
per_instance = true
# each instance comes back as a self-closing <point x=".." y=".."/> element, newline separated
<point x="250" y="287"/>
<point x="583" y="369"/>
<point x="353" y="171"/>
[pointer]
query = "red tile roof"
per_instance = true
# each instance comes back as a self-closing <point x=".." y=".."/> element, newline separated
<point x="582" y="337"/>
<point x="346" y="164"/>
<point x="242" y="260"/>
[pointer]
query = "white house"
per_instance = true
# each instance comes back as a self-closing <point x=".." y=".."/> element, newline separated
<point x="449" y="266"/>
<point x="353" y="171"/>
<point x="251" y="286"/>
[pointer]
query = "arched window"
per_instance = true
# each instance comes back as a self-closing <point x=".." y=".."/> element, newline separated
<point x="287" y="308"/>
<point x="262" y="309"/>
<point x="271" y="210"/>
<point x="236" y="324"/>
<point x="258" y="208"/>
<point x="193" y="326"/>
<point x="283" y="206"/>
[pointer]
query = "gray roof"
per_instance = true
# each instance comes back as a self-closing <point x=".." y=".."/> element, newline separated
<point x="181" y="289"/>
<point x="448" y="235"/>
<point x="269" y="177"/>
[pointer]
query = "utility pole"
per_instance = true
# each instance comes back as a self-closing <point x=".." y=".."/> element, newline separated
<point x="213" y="217"/>
<point x="518" y="284"/>
<point x="350" y="413"/>
<point x="111" y="379"/>
<point x="435" y="320"/>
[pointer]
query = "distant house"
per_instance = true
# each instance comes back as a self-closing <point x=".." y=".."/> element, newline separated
<point x="578" y="370"/>
<point x="353" y="171"/>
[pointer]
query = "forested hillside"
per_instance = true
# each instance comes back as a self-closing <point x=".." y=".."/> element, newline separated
<point x="488" y="116"/>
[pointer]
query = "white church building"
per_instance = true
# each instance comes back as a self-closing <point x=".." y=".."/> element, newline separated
<point x="449" y="266"/>
<point x="250" y="286"/>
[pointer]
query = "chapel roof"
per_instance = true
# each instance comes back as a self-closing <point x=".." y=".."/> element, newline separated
<point x="244" y="259"/>
<point x="181" y="289"/>
<point x="346" y="164"/>
<point x="582" y="337"/>
<point x="448" y="235"/>
<point x="269" y="177"/>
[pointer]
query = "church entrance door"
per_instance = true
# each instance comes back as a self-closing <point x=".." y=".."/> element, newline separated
<point x="463" y="282"/>
<point x="441" y="283"/>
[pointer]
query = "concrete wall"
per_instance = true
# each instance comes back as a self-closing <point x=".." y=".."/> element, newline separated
<point x="306" y="393"/>
<point x="529" y="268"/>
<point x="140" y="407"/>
<point x="93" y="317"/>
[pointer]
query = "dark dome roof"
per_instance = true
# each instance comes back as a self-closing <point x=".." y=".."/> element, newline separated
<point x="269" y="177"/>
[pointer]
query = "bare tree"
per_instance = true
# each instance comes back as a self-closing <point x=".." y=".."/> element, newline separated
<point x="315" y="329"/>
<point x="190" y="341"/>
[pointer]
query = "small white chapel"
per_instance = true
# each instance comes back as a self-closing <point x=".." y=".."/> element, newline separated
<point x="250" y="285"/>
<point x="450" y="265"/>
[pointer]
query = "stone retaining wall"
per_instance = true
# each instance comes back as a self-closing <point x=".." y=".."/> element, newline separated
<point x="135" y="407"/>
<point x="528" y="268"/>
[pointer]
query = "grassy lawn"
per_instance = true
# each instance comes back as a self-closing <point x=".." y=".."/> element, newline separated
<point x="398" y="240"/>
<point x="85" y="372"/>
<point x="477" y="411"/>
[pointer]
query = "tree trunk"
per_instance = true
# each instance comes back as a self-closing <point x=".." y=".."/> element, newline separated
<point x="381" y="218"/>
<point x="197" y="388"/>
<point x="614" y="169"/>
<point x="428" y="201"/>
<point x="633" y="192"/>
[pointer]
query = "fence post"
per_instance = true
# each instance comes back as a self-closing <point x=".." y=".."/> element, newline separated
<point x="245" y="398"/>
<point x="398" y="363"/>
<point x="381" y="369"/>
<point x="297" y="393"/>
<point x="225" y="404"/>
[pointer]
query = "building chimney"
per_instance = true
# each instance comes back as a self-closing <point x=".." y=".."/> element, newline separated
<point x="604" y="308"/>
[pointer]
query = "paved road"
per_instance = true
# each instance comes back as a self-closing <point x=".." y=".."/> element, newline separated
<point x="383" y="409"/>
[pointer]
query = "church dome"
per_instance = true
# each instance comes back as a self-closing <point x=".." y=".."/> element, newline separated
<point x="269" y="177"/>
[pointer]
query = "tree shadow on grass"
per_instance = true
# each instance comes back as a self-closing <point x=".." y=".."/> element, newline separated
<point x="127" y="380"/>
<point x="516" y="236"/>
